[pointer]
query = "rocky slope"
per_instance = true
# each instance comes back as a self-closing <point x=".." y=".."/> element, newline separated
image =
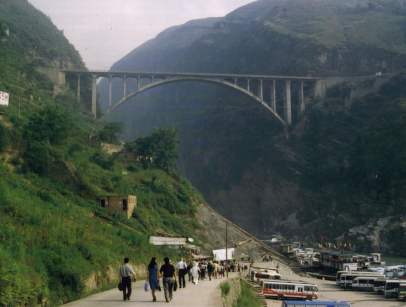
<point x="233" y="151"/>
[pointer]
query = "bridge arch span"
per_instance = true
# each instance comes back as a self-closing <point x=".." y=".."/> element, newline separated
<point x="224" y="83"/>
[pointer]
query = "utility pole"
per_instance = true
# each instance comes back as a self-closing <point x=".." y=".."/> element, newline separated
<point x="227" y="249"/>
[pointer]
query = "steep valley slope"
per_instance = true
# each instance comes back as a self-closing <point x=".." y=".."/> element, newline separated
<point x="320" y="182"/>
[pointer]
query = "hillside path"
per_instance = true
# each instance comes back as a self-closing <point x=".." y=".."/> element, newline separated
<point x="205" y="294"/>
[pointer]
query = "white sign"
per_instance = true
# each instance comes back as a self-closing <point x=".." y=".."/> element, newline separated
<point x="4" y="97"/>
<point x="220" y="254"/>
<point x="167" y="241"/>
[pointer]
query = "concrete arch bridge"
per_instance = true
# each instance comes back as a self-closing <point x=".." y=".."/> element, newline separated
<point x="262" y="89"/>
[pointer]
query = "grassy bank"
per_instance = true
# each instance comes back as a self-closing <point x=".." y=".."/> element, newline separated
<point x="247" y="297"/>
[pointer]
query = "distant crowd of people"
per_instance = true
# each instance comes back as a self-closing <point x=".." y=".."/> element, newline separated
<point x="174" y="275"/>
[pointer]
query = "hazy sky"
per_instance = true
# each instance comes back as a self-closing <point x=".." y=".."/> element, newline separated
<point x="105" y="30"/>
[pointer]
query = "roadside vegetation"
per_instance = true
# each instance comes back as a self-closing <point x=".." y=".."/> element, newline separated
<point x="247" y="297"/>
<point x="225" y="288"/>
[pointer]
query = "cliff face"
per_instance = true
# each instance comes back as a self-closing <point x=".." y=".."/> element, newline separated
<point x="230" y="148"/>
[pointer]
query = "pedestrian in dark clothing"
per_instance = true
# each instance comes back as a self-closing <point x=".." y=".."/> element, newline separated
<point x="168" y="278"/>
<point x="210" y="270"/>
<point x="127" y="274"/>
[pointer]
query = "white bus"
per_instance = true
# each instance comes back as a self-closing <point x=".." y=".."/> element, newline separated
<point x="346" y="279"/>
<point x="364" y="283"/>
<point x="266" y="275"/>
<point x="379" y="285"/>
<point x="283" y="289"/>
<point x="392" y="287"/>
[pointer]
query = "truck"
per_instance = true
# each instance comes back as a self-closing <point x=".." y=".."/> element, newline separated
<point x="315" y="303"/>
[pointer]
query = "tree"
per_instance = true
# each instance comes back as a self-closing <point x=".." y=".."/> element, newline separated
<point x="51" y="125"/>
<point x="160" y="149"/>
<point x="110" y="132"/>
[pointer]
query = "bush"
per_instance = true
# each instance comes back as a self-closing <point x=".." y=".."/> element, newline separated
<point x="37" y="157"/>
<point x="110" y="133"/>
<point x="52" y="125"/>
<point x="225" y="289"/>
<point x="247" y="297"/>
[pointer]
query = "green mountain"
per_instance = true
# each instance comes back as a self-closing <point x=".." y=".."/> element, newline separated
<point x="321" y="179"/>
<point x="56" y="242"/>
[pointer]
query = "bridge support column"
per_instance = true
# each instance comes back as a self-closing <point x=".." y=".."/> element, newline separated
<point x="273" y="95"/>
<point x="288" y="102"/>
<point x="248" y="85"/>
<point x="78" y="90"/>
<point x="138" y="82"/>
<point x="261" y="89"/>
<point x="110" y="91"/>
<point x="302" y="106"/>
<point x="124" y="86"/>
<point x="94" y="96"/>
<point x="320" y="89"/>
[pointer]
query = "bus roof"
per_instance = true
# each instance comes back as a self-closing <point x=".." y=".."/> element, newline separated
<point x="395" y="281"/>
<point x="361" y="273"/>
<point x="366" y="277"/>
<point x="279" y="281"/>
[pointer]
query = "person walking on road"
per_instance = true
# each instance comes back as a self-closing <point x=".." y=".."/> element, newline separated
<point x="153" y="277"/>
<point x="195" y="273"/>
<point x="168" y="278"/>
<point x="127" y="274"/>
<point x="182" y="271"/>
<point x="210" y="270"/>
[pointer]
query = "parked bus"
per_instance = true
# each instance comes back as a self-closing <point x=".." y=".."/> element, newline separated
<point x="392" y="287"/>
<point x="258" y="274"/>
<point x="364" y="283"/>
<point x="379" y="285"/>
<point x="338" y="276"/>
<point x="402" y="292"/>
<point x="346" y="279"/>
<point x="315" y="303"/>
<point x="283" y="289"/>
<point x="266" y="275"/>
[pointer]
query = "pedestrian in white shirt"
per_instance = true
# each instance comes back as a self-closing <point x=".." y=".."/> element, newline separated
<point x="127" y="274"/>
<point x="181" y="266"/>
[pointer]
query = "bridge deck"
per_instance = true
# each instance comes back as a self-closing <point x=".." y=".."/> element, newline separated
<point x="134" y="74"/>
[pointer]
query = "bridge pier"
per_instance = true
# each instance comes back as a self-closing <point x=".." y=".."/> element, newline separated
<point x="248" y="85"/>
<point x="138" y="82"/>
<point x="288" y="102"/>
<point x="320" y="88"/>
<point x="94" y="96"/>
<point x="273" y="95"/>
<point x="302" y="105"/>
<point x="124" y="86"/>
<point x="261" y="89"/>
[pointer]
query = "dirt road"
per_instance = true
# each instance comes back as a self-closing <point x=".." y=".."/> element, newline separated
<point x="205" y="294"/>
<point x="329" y="291"/>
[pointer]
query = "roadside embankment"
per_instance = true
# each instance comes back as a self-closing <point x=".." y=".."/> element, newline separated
<point x="230" y="292"/>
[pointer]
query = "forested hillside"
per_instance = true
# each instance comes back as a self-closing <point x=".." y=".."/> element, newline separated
<point x="56" y="242"/>
<point x="238" y="156"/>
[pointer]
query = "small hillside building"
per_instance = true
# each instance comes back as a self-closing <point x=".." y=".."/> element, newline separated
<point x="119" y="204"/>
